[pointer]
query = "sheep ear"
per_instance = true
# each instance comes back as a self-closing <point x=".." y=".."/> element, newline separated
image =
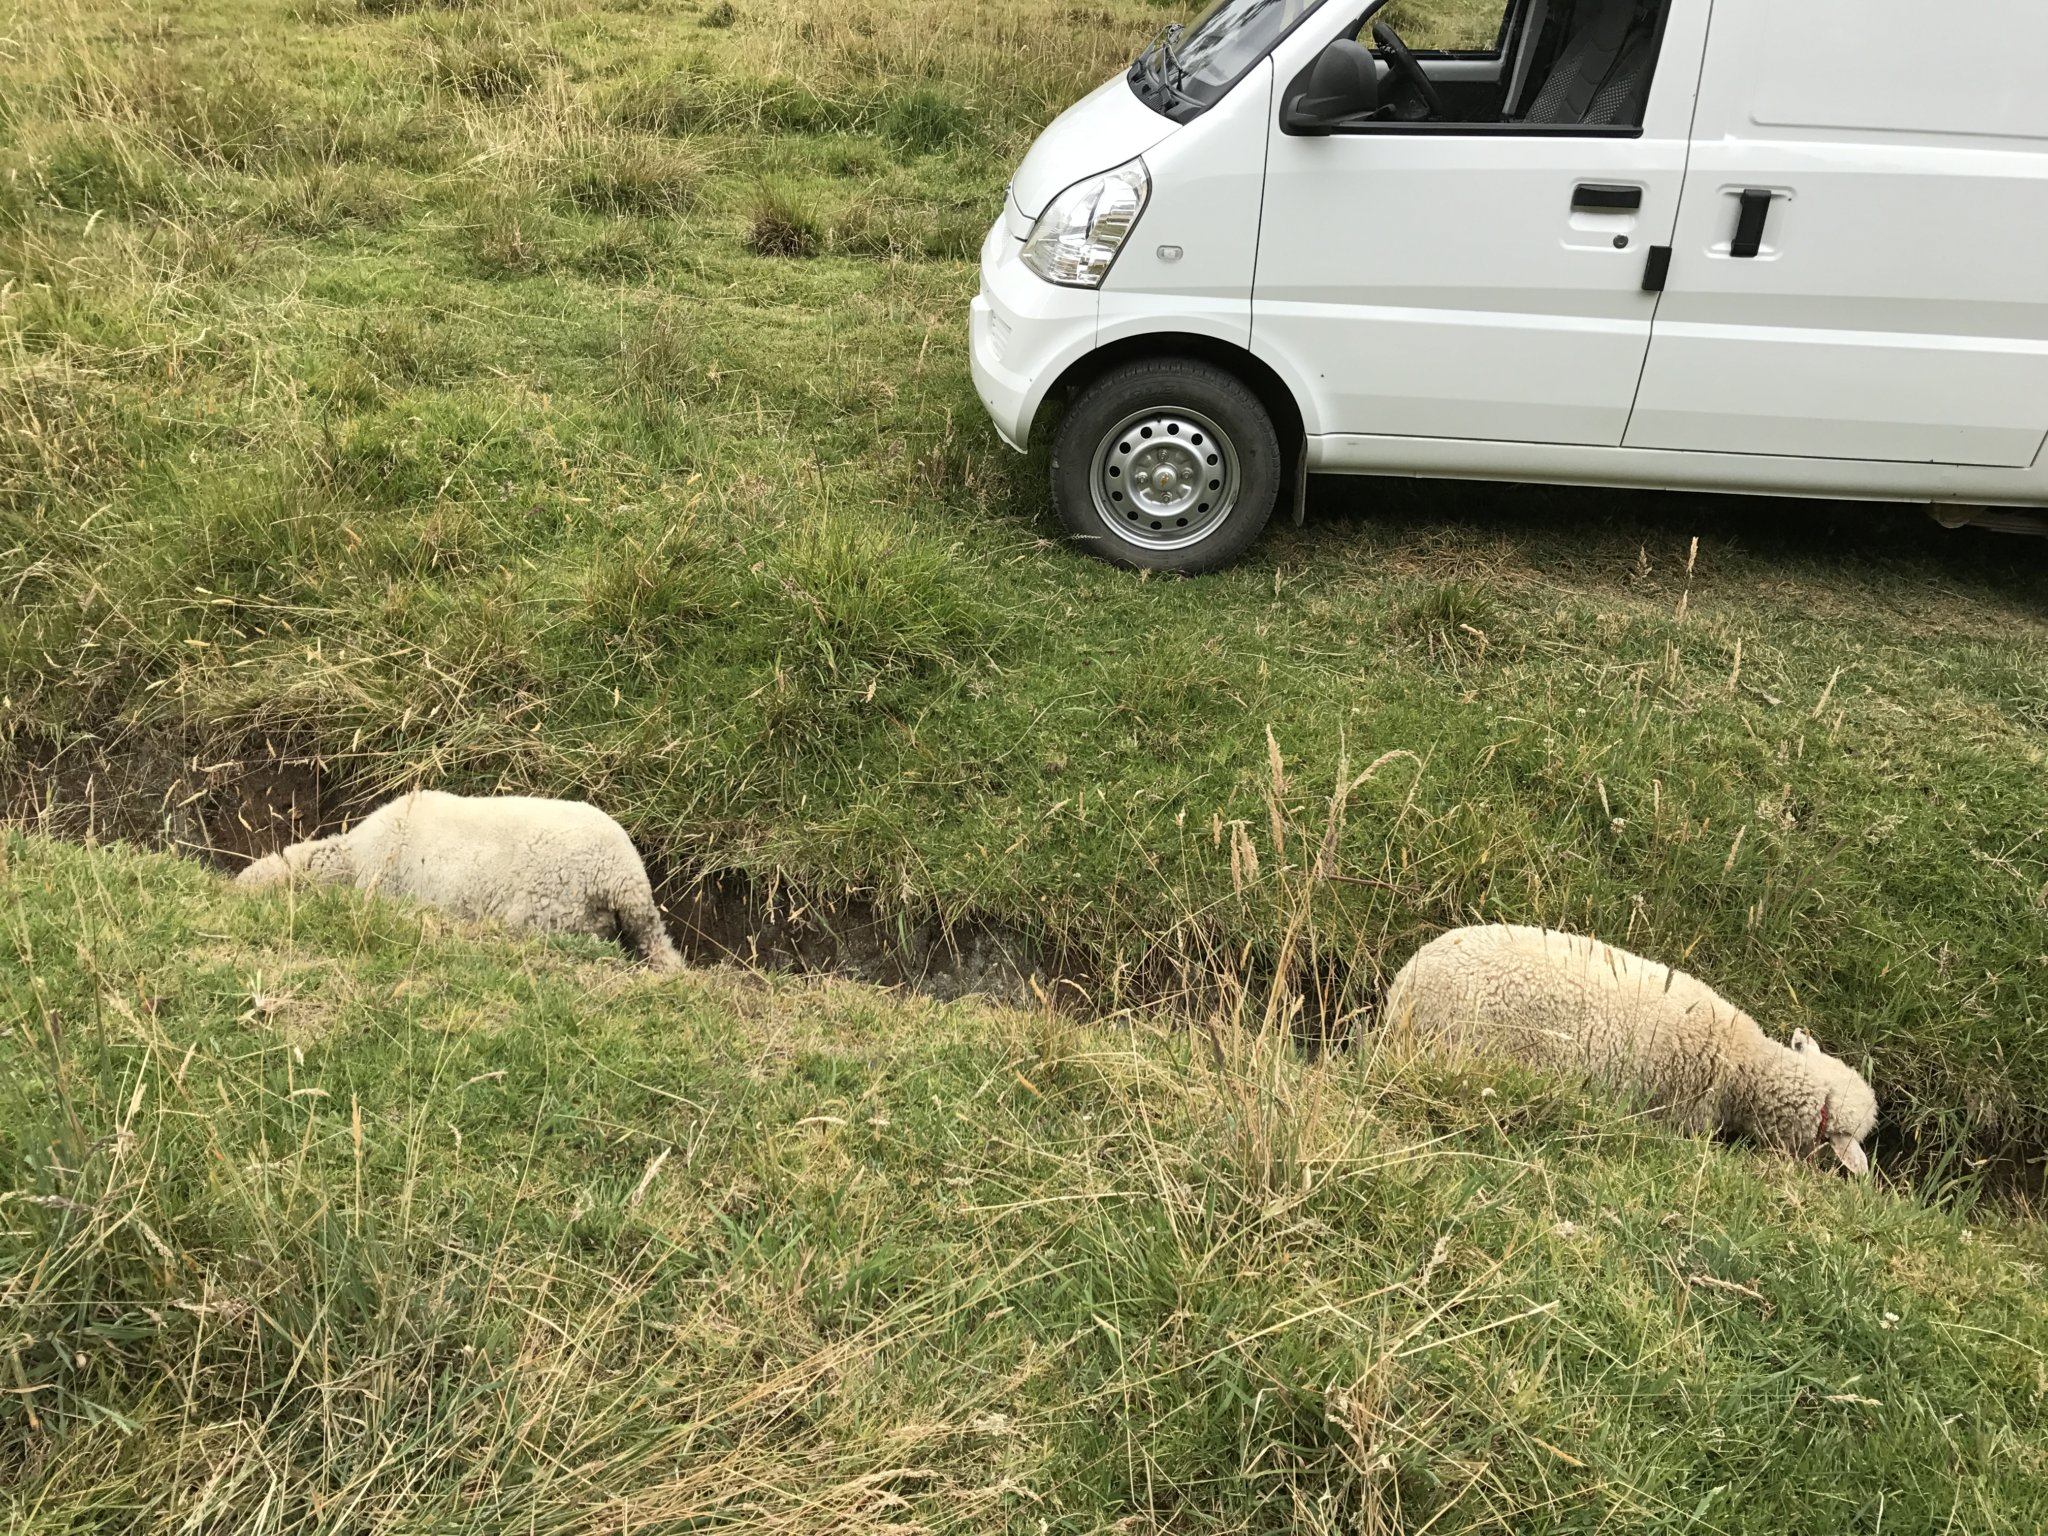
<point x="1850" y="1151"/>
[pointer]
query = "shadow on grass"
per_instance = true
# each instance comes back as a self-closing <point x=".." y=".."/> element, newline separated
<point x="1571" y="530"/>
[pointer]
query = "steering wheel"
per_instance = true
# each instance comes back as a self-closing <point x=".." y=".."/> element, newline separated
<point x="1403" y="62"/>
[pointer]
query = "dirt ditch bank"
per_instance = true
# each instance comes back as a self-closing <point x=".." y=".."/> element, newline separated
<point x="226" y="809"/>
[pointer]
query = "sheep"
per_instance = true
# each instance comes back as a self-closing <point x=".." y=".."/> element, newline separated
<point x="555" y="866"/>
<point x="1557" y="1000"/>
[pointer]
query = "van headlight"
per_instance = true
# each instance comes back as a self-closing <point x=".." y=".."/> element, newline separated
<point x="1077" y="237"/>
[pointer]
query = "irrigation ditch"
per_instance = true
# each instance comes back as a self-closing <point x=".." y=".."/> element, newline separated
<point x="228" y="808"/>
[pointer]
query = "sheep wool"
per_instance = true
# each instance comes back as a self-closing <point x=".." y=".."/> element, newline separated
<point x="552" y="866"/>
<point x="1574" y="1004"/>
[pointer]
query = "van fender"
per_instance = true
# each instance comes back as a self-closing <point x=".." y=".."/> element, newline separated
<point x="1218" y="342"/>
<point x="1299" y="383"/>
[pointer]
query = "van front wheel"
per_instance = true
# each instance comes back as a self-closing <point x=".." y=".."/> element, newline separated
<point x="1166" y="465"/>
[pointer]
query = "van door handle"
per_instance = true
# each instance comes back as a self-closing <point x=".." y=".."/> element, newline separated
<point x="1657" y="270"/>
<point x="1593" y="198"/>
<point x="1749" y="225"/>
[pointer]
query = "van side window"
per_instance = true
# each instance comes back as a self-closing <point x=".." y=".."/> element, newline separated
<point x="1548" y="66"/>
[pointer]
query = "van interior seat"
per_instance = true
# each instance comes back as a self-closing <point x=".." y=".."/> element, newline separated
<point x="1600" y="72"/>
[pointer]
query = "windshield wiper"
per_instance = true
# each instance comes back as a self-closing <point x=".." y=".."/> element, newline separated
<point x="1172" y="35"/>
<point x="1155" y="72"/>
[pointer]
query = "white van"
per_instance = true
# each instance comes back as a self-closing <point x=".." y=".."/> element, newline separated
<point x="1787" y="246"/>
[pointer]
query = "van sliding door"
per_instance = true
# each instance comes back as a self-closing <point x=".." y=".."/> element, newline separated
<point x="1858" y="270"/>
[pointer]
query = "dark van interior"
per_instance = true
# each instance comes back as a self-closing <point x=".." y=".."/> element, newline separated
<point x="1556" y="65"/>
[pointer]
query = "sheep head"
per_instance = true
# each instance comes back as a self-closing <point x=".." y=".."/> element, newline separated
<point x="323" y="861"/>
<point x="1848" y="1107"/>
<point x="263" y="873"/>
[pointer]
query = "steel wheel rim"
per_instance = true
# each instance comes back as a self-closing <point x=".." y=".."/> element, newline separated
<point x="1165" y="477"/>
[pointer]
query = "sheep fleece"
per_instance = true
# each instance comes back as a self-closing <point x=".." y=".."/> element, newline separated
<point x="552" y="866"/>
<point x="1575" y="1004"/>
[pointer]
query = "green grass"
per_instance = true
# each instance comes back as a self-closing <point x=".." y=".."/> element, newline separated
<point x="570" y="397"/>
<point x="319" y="1215"/>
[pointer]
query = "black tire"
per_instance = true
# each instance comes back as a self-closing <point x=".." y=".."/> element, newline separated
<point x="1195" y="419"/>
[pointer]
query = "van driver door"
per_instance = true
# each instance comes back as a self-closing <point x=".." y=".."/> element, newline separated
<point x="1475" y="268"/>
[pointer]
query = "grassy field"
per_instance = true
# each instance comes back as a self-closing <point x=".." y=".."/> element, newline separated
<point x="570" y="397"/>
<point x="321" y="1217"/>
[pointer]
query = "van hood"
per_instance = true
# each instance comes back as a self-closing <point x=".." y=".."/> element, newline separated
<point x="1097" y="133"/>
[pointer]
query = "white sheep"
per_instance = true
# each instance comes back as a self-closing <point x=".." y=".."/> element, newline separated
<point x="1574" y="1004"/>
<point x="555" y="866"/>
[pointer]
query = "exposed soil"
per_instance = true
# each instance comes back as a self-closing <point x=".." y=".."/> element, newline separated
<point x="152" y="794"/>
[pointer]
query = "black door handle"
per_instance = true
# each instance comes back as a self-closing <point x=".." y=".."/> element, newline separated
<point x="1603" y="199"/>
<point x="1657" y="269"/>
<point x="1749" y="226"/>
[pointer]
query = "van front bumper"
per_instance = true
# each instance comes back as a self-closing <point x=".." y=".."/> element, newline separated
<point x="1023" y="333"/>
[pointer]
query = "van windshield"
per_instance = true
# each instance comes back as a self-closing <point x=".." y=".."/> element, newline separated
<point x="1185" y="71"/>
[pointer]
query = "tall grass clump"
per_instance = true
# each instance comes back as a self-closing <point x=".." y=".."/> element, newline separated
<point x="507" y="235"/>
<point x="1452" y="617"/>
<point x="483" y="57"/>
<point x="102" y="170"/>
<point x="925" y="120"/>
<point x="656" y="599"/>
<point x="231" y="116"/>
<point x="57" y="442"/>
<point x="782" y="225"/>
<point x="675" y="98"/>
<point x="658" y="362"/>
<point x="631" y="176"/>
<point x="867" y="605"/>
<point x="406" y="348"/>
<point x="328" y="199"/>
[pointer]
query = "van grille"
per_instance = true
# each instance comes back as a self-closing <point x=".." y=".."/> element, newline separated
<point x="998" y="335"/>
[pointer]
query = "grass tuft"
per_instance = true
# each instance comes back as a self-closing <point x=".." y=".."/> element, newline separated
<point x="328" y="199"/>
<point x="408" y="348"/>
<point x="782" y="225"/>
<point x="876" y="225"/>
<point x="504" y="238"/>
<point x="1452" y="616"/>
<point x="862" y="608"/>
<point x="925" y="120"/>
<point x="665" y="597"/>
<point x="629" y="175"/>
<point x="482" y="57"/>
<point x="623" y="249"/>
<point x="234" y="118"/>
<point x="658" y="361"/>
<point x="99" y="170"/>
